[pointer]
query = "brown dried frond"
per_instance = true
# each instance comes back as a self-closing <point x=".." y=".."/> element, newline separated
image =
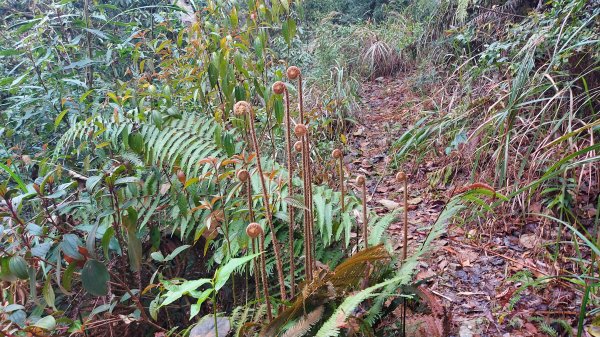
<point x="474" y="186"/>
<point x="305" y="323"/>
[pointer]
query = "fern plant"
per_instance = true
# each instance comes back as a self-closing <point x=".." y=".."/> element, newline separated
<point x="180" y="142"/>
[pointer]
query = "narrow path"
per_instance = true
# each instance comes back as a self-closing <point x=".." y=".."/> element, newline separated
<point x="466" y="282"/>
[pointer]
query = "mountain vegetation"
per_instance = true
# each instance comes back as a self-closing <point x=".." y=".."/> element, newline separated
<point x="299" y="168"/>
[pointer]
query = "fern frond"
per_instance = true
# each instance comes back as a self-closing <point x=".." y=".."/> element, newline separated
<point x="180" y="142"/>
<point x="332" y="326"/>
<point x="548" y="329"/>
<point x="239" y="318"/>
<point x="131" y="157"/>
<point x="461" y="10"/>
<point x="304" y="325"/>
<point x="453" y="207"/>
<point x="379" y="226"/>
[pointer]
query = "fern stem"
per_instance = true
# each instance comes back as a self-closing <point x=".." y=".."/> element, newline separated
<point x="309" y="213"/>
<point x="226" y="227"/>
<point x="279" y="264"/>
<point x="290" y="168"/>
<point x="405" y="230"/>
<point x="264" y="277"/>
<point x="214" y="300"/>
<point x="308" y="172"/>
<point x="306" y="219"/>
<point x="364" y="215"/>
<point x="338" y="155"/>
<point x="254" y="242"/>
<point x="257" y="264"/>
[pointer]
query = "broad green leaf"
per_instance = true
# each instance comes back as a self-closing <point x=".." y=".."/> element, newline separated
<point x="91" y="183"/>
<point x="70" y="246"/>
<point x="18" y="266"/>
<point x="60" y="117"/>
<point x="67" y="278"/>
<point x="134" y="250"/>
<point x="95" y="277"/>
<point x="176" y="252"/>
<point x="183" y="289"/>
<point x="136" y="142"/>
<point x="195" y="308"/>
<point x="14" y="176"/>
<point x="157" y="256"/>
<point x="47" y="323"/>
<point x="48" y="293"/>
<point x="225" y="271"/>
<point x="108" y="235"/>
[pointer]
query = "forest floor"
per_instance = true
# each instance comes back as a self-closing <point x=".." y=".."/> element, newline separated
<point x="467" y="279"/>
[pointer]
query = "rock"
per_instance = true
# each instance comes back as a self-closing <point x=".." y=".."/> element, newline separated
<point x="206" y="327"/>
<point x="471" y="328"/>
<point x="528" y="241"/>
<point x="389" y="204"/>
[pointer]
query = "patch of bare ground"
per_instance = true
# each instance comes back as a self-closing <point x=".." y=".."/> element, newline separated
<point x="471" y="279"/>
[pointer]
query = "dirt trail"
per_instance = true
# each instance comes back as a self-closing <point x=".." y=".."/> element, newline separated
<point x="468" y="288"/>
